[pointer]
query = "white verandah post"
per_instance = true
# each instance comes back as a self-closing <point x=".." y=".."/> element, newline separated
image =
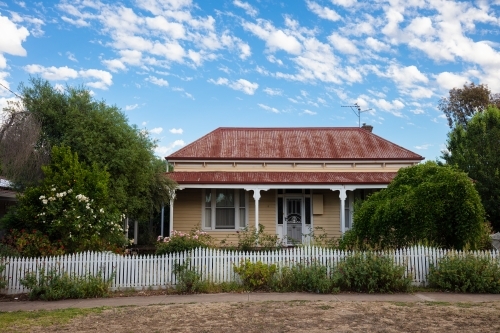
<point x="342" y="196"/>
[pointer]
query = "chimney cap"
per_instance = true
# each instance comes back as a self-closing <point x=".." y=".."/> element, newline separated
<point x="366" y="127"/>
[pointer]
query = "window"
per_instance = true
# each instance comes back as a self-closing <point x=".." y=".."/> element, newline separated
<point x="348" y="211"/>
<point x="224" y="209"/>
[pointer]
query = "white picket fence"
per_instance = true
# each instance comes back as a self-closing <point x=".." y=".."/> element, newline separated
<point x="215" y="265"/>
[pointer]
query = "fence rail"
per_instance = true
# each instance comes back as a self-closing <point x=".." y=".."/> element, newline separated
<point x="215" y="265"/>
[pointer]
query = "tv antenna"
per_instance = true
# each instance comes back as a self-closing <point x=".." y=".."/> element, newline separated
<point x="357" y="111"/>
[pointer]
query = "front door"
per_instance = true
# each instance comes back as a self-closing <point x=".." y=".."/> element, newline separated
<point x="293" y="220"/>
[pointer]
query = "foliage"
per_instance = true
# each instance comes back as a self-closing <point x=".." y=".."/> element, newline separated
<point x="319" y="237"/>
<point x="255" y="276"/>
<point x="54" y="285"/>
<point x="33" y="244"/>
<point x="466" y="274"/>
<point x="3" y="281"/>
<point x="474" y="149"/>
<point x="310" y="277"/>
<point x="8" y="251"/>
<point x="71" y="206"/>
<point x="188" y="280"/>
<point x="369" y="272"/>
<point x="250" y="239"/>
<point x="463" y="103"/>
<point x="180" y="241"/>
<point x="424" y="203"/>
<point x="99" y="134"/>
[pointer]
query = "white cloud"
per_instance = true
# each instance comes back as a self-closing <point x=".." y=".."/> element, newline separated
<point x="268" y="108"/>
<point x="406" y="76"/>
<point x="242" y="85"/>
<point x="247" y="7"/>
<point x="12" y="37"/>
<point x="245" y="86"/>
<point x="275" y="39"/>
<point x="165" y="150"/>
<point x="344" y="3"/>
<point x="78" y="22"/>
<point x="271" y="58"/>
<point x="104" y="79"/>
<point x="343" y="44"/>
<point x="131" y="107"/>
<point x="417" y="111"/>
<point x="71" y="56"/>
<point x="273" y="92"/>
<point x="423" y="147"/>
<point x="448" y="81"/>
<point x="158" y="81"/>
<point x="156" y="130"/>
<point x="114" y="65"/>
<point x="176" y="131"/>
<point x="311" y="113"/>
<point x="376" y="45"/>
<point x="323" y="12"/>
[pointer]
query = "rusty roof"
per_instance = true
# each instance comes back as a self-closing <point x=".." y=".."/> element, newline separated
<point x="219" y="177"/>
<point x="306" y="143"/>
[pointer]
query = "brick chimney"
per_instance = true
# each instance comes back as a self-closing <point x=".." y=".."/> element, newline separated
<point x="366" y="127"/>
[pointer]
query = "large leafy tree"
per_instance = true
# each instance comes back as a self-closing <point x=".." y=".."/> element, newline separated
<point x="100" y="135"/>
<point x="475" y="149"/>
<point x="463" y="103"/>
<point x="426" y="203"/>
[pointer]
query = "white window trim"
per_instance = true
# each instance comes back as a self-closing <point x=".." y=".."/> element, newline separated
<point x="237" y="223"/>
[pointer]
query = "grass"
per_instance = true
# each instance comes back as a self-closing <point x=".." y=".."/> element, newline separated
<point x="22" y="321"/>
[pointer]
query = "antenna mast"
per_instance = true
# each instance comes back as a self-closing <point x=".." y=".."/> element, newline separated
<point x="357" y="111"/>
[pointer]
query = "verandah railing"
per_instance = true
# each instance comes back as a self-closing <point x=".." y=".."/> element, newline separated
<point x="215" y="265"/>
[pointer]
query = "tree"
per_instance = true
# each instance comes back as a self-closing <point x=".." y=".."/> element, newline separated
<point x="475" y="149"/>
<point x="101" y="135"/>
<point x="71" y="206"/>
<point x="21" y="158"/>
<point x="464" y="102"/>
<point x="427" y="203"/>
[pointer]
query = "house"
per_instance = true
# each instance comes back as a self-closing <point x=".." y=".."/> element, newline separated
<point x="290" y="180"/>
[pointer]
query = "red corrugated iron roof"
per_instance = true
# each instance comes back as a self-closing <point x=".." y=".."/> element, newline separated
<point x="288" y="178"/>
<point x="331" y="143"/>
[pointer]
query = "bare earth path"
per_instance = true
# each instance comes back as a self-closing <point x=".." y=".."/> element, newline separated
<point x="288" y="316"/>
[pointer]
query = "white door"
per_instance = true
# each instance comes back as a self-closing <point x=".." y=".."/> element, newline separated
<point x="293" y="220"/>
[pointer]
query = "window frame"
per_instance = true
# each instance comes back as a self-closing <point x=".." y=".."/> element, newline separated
<point x="238" y="225"/>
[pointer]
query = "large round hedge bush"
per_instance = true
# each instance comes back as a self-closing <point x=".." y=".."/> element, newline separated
<point x="426" y="203"/>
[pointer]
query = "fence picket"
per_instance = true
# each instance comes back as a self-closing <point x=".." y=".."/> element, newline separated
<point x="214" y="265"/>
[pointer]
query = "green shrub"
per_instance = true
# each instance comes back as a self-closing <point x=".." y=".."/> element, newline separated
<point x="311" y="277"/>
<point x="3" y="281"/>
<point x="424" y="203"/>
<point x="54" y="285"/>
<point x="250" y="239"/>
<point x="32" y="244"/>
<point x="255" y="276"/>
<point x="180" y="241"/>
<point x="7" y="250"/>
<point x="369" y="272"/>
<point x="466" y="274"/>
<point x="188" y="280"/>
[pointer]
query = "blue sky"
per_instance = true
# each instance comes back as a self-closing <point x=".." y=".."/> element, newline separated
<point x="181" y="68"/>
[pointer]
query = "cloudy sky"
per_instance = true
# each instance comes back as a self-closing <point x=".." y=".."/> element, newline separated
<point x="181" y="68"/>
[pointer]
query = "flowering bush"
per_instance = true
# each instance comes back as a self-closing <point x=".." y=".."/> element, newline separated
<point x="180" y="241"/>
<point x="71" y="205"/>
<point x="33" y="244"/>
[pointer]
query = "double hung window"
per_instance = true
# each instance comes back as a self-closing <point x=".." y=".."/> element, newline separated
<point x="224" y="209"/>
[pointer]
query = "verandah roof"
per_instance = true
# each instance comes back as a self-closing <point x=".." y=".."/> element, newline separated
<point x="289" y="178"/>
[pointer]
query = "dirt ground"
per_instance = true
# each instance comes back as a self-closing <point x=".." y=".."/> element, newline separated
<point x="296" y="316"/>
